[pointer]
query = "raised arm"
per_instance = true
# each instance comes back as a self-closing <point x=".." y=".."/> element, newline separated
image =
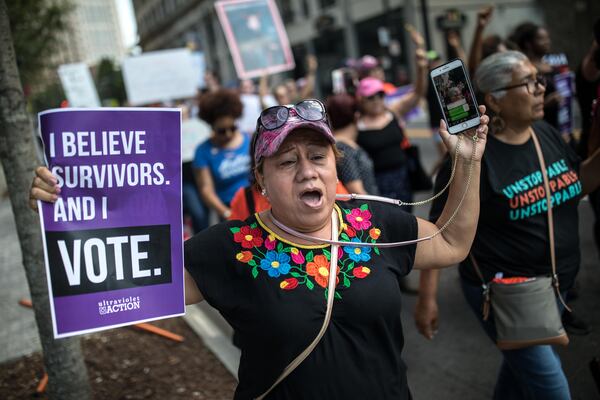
<point x="45" y="188"/>
<point x="308" y="90"/>
<point x="455" y="42"/>
<point x="263" y="91"/>
<point x="454" y="243"/>
<point x="409" y="101"/>
<point x="483" y="19"/>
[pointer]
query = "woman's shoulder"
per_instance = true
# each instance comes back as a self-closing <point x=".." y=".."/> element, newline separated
<point x="542" y="127"/>
<point x="549" y="134"/>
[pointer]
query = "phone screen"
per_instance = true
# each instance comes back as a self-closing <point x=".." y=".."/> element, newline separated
<point x="455" y="96"/>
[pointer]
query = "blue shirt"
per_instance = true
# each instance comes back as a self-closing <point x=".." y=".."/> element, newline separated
<point x="230" y="168"/>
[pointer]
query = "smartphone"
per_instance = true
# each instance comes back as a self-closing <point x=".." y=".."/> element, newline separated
<point x="455" y="96"/>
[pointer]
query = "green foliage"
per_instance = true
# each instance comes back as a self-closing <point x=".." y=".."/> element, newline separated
<point x="36" y="28"/>
<point x="110" y="86"/>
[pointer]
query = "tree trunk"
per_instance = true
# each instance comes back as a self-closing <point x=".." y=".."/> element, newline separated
<point x="63" y="358"/>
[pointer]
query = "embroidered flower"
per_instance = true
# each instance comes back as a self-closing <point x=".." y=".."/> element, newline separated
<point x="374" y="233"/>
<point x="361" y="272"/>
<point x="244" y="256"/>
<point x="358" y="254"/>
<point x="359" y="219"/>
<point x="289" y="284"/>
<point x="276" y="264"/>
<point x="297" y="256"/>
<point x="319" y="269"/>
<point x="249" y="237"/>
<point x="270" y="242"/>
<point x="350" y="231"/>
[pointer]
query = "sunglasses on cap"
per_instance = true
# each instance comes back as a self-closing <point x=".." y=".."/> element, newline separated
<point x="225" y="130"/>
<point x="275" y="117"/>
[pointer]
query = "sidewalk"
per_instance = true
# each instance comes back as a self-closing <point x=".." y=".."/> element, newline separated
<point x="18" y="330"/>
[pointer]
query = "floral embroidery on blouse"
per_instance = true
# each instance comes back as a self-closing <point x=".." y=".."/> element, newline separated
<point x="296" y="265"/>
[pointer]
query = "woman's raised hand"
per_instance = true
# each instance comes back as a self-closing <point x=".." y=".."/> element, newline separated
<point x="44" y="187"/>
<point x="466" y="147"/>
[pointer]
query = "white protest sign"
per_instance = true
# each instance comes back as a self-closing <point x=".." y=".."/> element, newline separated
<point x="160" y="76"/>
<point x="78" y="85"/>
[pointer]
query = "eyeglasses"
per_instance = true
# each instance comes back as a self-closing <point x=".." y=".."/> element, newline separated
<point x="378" y="95"/>
<point x="225" y="130"/>
<point x="275" y="117"/>
<point x="531" y="84"/>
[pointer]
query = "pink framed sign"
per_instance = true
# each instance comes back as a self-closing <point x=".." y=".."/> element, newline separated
<point x="256" y="37"/>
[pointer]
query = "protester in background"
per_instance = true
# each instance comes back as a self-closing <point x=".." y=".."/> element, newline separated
<point x="212" y="81"/>
<point x="193" y="133"/>
<point x="435" y="111"/>
<point x="453" y="38"/>
<point x="288" y="91"/>
<point x="381" y="133"/>
<point x="587" y="81"/>
<point x="512" y="238"/>
<point x="368" y="66"/>
<point x="481" y="47"/>
<point x="534" y="42"/>
<point x="355" y="167"/>
<point x="252" y="103"/>
<point x="222" y="164"/>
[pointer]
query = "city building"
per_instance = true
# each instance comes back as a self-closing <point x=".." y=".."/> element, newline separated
<point x="95" y="32"/>
<point x="335" y="30"/>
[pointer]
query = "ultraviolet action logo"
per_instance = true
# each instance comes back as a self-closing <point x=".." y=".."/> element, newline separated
<point x="118" y="305"/>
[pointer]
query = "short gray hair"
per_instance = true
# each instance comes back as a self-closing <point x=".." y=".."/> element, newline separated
<point x="496" y="71"/>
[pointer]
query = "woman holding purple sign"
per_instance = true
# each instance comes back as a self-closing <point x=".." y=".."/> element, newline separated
<point x="276" y="276"/>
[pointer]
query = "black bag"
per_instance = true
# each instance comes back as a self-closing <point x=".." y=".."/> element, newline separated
<point x="419" y="179"/>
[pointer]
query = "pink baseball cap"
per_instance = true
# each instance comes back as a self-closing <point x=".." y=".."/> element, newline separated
<point x="369" y="86"/>
<point x="268" y="141"/>
<point x="368" y="62"/>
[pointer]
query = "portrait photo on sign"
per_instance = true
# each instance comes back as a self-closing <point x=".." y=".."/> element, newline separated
<point x="256" y="37"/>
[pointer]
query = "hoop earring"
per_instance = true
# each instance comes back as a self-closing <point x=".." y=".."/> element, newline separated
<point x="498" y="123"/>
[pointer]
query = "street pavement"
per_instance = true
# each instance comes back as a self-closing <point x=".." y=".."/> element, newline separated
<point x="460" y="363"/>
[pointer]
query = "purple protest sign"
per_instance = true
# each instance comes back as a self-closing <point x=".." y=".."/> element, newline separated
<point x="113" y="241"/>
<point x="564" y="86"/>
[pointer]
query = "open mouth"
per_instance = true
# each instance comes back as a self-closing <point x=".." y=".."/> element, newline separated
<point x="312" y="197"/>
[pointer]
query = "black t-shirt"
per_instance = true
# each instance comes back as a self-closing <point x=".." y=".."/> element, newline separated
<point x="512" y="233"/>
<point x="356" y="165"/>
<point x="273" y="294"/>
<point x="384" y="146"/>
